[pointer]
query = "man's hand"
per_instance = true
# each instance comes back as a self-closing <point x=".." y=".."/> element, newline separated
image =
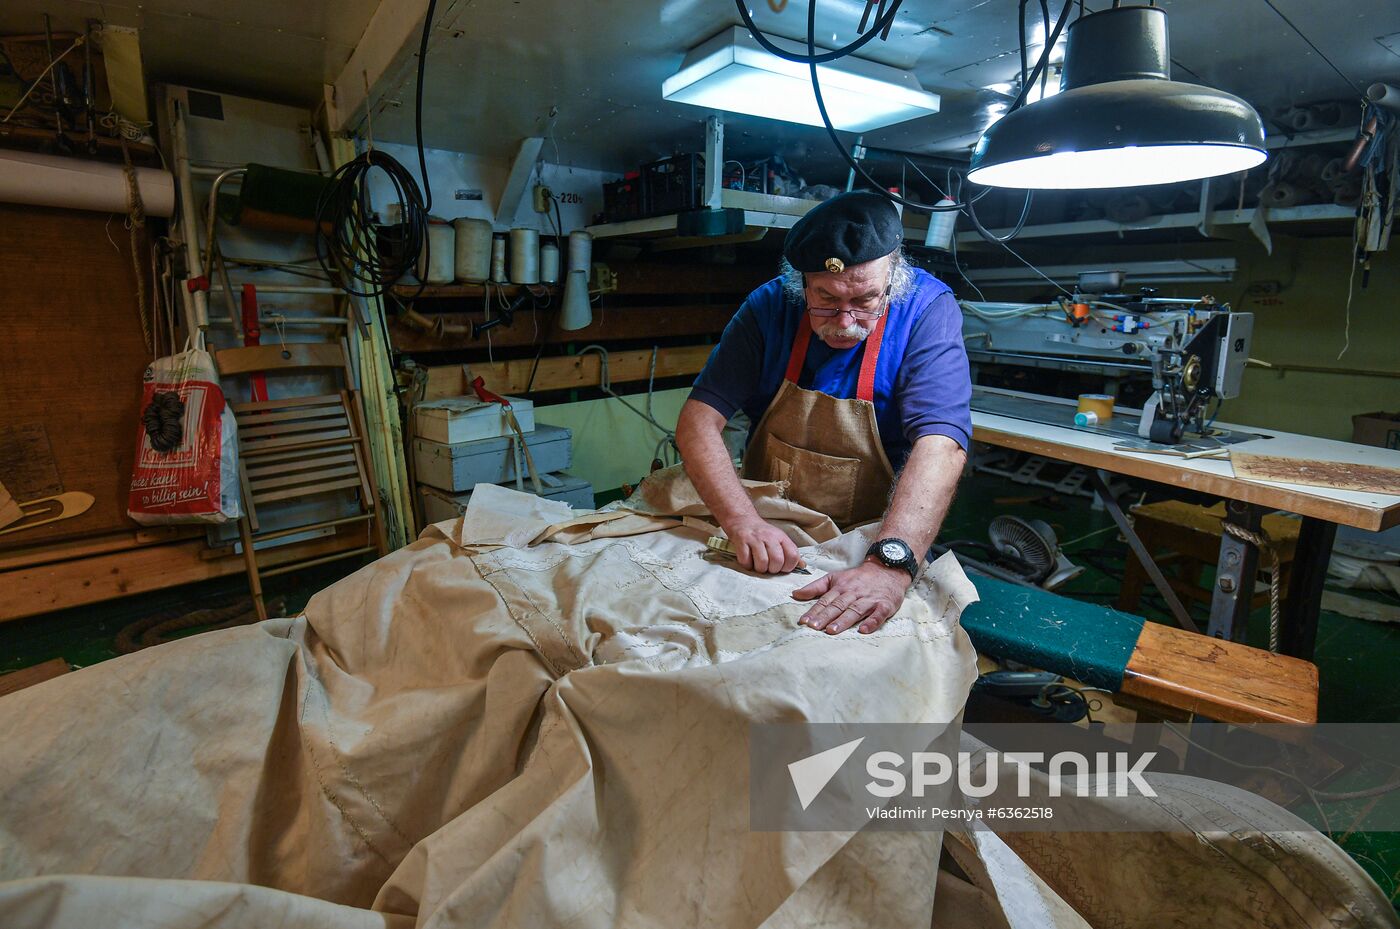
<point x="868" y="595"/>
<point x="762" y="547"/>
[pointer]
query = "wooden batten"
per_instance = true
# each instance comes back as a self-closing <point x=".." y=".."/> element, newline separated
<point x="566" y="372"/>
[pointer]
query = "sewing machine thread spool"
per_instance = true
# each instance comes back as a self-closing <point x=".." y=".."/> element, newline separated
<point x="524" y="256"/>
<point x="1099" y="406"/>
<point x="1086" y="419"/>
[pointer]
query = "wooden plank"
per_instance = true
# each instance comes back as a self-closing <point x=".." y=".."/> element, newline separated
<point x="232" y="361"/>
<point x="68" y="549"/>
<point x="564" y="372"/>
<point x="71" y="358"/>
<point x="253" y="434"/>
<point x="303" y="412"/>
<point x="1163" y="471"/>
<point x="324" y="487"/>
<point x="10" y="511"/>
<point x="34" y="674"/>
<point x="256" y="445"/>
<point x="1219" y="679"/>
<point x="291" y="462"/>
<point x="469" y="291"/>
<point x="299" y="479"/>
<point x="613" y="323"/>
<point x="40" y="589"/>
<point x="284" y="403"/>
<point x="1342" y="475"/>
<point x="691" y="278"/>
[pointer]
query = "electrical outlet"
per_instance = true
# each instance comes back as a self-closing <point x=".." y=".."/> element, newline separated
<point x="543" y="197"/>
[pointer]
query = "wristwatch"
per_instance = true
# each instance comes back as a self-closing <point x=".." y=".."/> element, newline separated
<point x="895" y="553"/>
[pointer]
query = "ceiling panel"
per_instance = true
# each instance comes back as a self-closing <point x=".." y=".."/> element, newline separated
<point x="497" y="68"/>
<point x="281" y="50"/>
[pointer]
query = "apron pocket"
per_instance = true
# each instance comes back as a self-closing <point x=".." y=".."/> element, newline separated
<point x="825" y="483"/>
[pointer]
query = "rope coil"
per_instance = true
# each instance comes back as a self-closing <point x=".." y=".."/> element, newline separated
<point x="1261" y="541"/>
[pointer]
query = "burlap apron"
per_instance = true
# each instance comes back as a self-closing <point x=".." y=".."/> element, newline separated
<point x="827" y="449"/>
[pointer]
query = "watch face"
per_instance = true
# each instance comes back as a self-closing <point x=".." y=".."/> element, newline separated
<point x="892" y="551"/>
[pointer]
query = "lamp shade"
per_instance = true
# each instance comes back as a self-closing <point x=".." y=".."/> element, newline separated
<point x="1118" y="120"/>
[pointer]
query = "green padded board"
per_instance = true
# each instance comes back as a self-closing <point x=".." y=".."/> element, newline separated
<point x="1085" y="641"/>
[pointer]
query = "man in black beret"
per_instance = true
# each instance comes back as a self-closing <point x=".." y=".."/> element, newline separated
<point x="882" y="390"/>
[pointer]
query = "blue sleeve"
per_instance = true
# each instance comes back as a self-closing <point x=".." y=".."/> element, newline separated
<point x="934" y="387"/>
<point x="731" y="375"/>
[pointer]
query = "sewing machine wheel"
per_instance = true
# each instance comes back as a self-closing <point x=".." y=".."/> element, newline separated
<point x="1191" y="373"/>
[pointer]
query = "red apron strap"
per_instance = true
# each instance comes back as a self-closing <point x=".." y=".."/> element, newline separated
<point x="799" y="350"/>
<point x="865" y="387"/>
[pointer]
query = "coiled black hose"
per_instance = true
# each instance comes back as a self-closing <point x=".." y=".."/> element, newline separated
<point x="163" y="419"/>
<point x="367" y="259"/>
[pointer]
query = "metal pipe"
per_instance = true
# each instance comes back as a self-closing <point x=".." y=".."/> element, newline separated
<point x="189" y="226"/>
<point x="1384" y="95"/>
<point x="1099" y="477"/>
<point x="213" y="216"/>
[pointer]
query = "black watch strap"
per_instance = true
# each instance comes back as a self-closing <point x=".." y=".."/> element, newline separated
<point x="895" y="553"/>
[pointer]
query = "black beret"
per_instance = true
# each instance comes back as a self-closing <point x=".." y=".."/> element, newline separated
<point x="849" y="229"/>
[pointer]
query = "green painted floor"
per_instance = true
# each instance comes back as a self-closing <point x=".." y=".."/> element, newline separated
<point x="1355" y="658"/>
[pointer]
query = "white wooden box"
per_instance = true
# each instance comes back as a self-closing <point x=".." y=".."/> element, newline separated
<point x="462" y="466"/>
<point x="462" y="419"/>
<point x="439" y="505"/>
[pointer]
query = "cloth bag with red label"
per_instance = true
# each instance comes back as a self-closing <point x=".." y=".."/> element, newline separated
<point x="186" y="445"/>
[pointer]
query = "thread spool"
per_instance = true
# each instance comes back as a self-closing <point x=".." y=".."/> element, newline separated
<point x="1281" y="195"/>
<point x="1100" y="405"/>
<point x="473" y="251"/>
<point x="524" y="256"/>
<point x="498" y="258"/>
<point x="435" y="264"/>
<point x="581" y="252"/>
<point x="1086" y="419"/>
<point x="549" y="263"/>
<point x="1333" y="175"/>
<point x="940" y="227"/>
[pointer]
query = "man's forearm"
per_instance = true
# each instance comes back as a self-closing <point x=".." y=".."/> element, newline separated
<point x="699" y="435"/>
<point x="924" y="492"/>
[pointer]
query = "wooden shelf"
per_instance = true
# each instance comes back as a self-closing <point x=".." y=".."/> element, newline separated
<point x="1315" y="212"/>
<point x="761" y="212"/>
<point x="457" y="291"/>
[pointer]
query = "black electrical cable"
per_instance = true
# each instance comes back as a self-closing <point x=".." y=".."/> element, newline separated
<point x="1045" y="31"/>
<point x="368" y="259"/>
<point x="812" y="59"/>
<point x="881" y="25"/>
<point x="418" y="111"/>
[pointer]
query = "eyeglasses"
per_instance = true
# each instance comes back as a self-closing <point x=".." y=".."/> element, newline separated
<point x="866" y="309"/>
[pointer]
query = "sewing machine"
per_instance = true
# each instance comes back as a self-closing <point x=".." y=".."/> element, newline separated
<point x="1193" y="349"/>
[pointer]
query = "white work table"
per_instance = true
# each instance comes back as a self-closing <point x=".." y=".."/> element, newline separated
<point x="1322" y="508"/>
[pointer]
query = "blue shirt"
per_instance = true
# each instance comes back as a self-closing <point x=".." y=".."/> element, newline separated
<point x="922" y="384"/>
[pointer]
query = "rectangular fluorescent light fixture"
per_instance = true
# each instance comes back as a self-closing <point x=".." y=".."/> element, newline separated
<point x="732" y="72"/>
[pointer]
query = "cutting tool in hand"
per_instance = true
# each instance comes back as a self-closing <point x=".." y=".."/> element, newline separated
<point x="725" y="547"/>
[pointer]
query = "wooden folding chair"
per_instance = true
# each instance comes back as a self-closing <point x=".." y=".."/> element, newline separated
<point x="297" y="447"/>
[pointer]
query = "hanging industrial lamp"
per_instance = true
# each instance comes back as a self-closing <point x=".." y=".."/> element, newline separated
<point x="1119" y="120"/>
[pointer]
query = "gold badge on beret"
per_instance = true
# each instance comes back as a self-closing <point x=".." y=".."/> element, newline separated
<point x="835" y="265"/>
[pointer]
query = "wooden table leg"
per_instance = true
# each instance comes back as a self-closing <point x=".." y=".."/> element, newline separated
<point x="1298" y="624"/>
